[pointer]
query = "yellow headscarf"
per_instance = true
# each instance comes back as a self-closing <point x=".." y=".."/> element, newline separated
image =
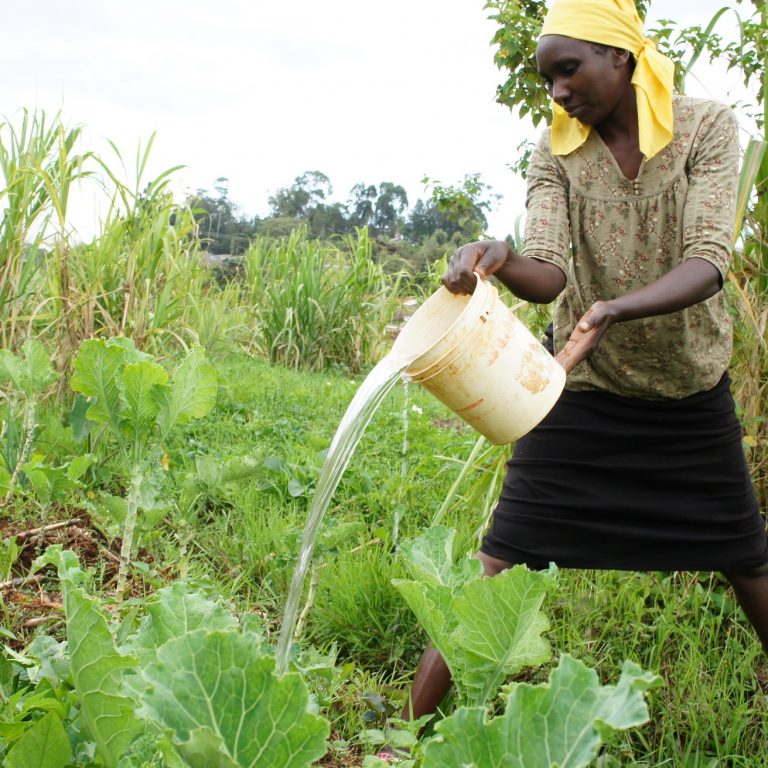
<point x="615" y="23"/>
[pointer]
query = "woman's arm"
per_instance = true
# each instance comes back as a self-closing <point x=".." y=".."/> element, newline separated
<point x="539" y="273"/>
<point x="529" y="279"/>
<point x="695" y="280"/>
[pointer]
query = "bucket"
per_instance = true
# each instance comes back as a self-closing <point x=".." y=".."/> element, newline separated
<point x="474" y="355"/>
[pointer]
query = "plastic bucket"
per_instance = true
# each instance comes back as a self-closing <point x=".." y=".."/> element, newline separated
<point x="474" y="355"/>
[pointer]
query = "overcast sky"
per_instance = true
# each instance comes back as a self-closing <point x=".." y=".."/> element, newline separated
<point x="259" y="91"/>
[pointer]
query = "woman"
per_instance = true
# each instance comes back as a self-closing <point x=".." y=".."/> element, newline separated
<point x="630" y="211"/>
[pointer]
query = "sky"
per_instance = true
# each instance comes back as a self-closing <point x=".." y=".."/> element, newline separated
<point x="259" y="91"/>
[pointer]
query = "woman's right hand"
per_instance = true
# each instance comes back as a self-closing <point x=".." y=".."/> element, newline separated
<point x="484" y="257"/>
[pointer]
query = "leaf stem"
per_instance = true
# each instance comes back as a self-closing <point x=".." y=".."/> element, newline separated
<point x="313" y="576"/>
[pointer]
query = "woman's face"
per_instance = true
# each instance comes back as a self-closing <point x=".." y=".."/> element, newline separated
<point x="587" y="81"/>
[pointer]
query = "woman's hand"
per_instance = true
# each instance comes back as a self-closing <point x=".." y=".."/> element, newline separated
<point x="585" y="339"/>
<point x="695" y="280"/>
<point x="484" y="257"/>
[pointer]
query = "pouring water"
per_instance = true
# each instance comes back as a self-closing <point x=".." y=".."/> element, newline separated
<point x="358" y="415"/>
<point x="474" y="355"/>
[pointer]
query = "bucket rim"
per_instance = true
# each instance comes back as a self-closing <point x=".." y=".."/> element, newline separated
<point x="475" y="306"/>
<point x="451" y="355"/>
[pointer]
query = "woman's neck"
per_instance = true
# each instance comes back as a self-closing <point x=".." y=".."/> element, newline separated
<point x="620" y="133"/>
<point x="621" y="125"/>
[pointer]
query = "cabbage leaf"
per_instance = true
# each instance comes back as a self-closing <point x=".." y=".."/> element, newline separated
<point x="559" y="725"/>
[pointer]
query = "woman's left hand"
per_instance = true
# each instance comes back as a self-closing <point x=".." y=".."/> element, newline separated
<point x="586" y="337"/>
<point x="695" y="280"/>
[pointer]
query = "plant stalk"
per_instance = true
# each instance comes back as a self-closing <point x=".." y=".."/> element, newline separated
<point x="313" y="576"/>
<point x="30" y="424"/>
<point x="468" y="464"/>
<point x="131" y="515"/>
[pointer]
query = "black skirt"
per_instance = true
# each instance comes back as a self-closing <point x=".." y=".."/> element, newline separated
<point x="612" y="482"/>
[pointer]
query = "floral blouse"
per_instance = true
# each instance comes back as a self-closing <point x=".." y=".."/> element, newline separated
<point x="611" y="235"/>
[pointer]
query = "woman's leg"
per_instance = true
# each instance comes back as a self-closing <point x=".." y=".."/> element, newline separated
<point x="751" y="588"/>
<point x="432" y="680"/>
<point x="431" y="684"/>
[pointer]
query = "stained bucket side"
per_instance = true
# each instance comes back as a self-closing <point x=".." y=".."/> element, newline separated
<point x="483" y="363"/>
<point x="503" y="383"/>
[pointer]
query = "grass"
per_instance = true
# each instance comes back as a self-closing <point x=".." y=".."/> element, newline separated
<point x="319" y="305"/>
<point x="242" y="538"/>
<point x="686" y="627"/>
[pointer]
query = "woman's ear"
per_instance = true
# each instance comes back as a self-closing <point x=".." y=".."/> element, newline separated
<point x="620" y="57"/>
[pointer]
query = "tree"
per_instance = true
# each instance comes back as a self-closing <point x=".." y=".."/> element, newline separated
<point x="327" y="220"/>
<point x="464" y="205"/>
<point x="220" y="226"/>
<point x="307" y="192"/>
<point x="518" y="31"/>
<point x="382" y="210"/>
<point x="391" y="204"/>
<point x="361" y="204"/>
<point x="425" y="220"/>
<point x="304" y="203"/>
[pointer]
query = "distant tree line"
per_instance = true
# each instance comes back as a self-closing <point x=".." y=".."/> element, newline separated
<point x="418" y="234"/>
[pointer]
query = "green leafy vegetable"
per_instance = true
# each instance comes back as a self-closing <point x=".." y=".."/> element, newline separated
<point x="97" y="366"/>
<point x="26" y="377"/>
<point x="485" y="629"/>
<point x="31" y="373"/>
<point x="560" y="725"/>
<point x="430" y="559"/>
<point x="141" y="387"/>
<point x="52" y="483"/>
<point x="44" y="745"/>
<point x="188" y="687"/>
<point x="133" y="396"/>
<point x="175" y="612"/>
<point x="192" y="392"/>
<point x="98" y="669"/>
<point x="218" y="693"/>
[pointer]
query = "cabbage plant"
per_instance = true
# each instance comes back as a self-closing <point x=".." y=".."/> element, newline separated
<point x="25" y="378"/>
<point x="189" y="686"/>
<point x="559" y="725"/>
<point x="139" y="405"/>
<point x="485" y="629"/>
<point x="490" y="629"/>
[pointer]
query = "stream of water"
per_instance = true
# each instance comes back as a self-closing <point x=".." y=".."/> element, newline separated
<point x="358" y="415"/>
